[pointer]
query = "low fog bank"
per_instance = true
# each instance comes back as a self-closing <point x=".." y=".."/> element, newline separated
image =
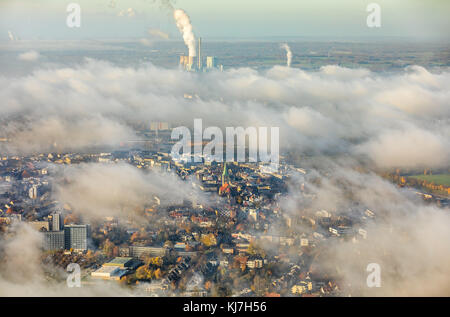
<point x="391" y="120"/>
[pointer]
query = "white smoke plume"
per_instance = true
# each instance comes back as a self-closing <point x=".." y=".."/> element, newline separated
<point x="11" y="36"/>
<point x="288" y="54"/>
<point x="185" y="27"/>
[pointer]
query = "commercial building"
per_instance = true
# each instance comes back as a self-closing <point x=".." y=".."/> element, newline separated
<point x="76" y="237"/>
<point x="123" y="263"/>
<point x="40" y="225"/>
<point x="139" y="251"/>
<point x="109" y="273"/>
<point x="57" y="222"/>
<point x="54" y="240"/>
<point x="116" y="268"/>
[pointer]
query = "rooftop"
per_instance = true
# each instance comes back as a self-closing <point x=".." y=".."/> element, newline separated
<point x="119" y="261"/>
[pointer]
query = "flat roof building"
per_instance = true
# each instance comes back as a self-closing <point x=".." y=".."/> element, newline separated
<point x="138" y="251"/>
<point x="109" y="273"/>
<point x="54" y="240"/>
<point x="76" y="237"/>
<point x="123" y="263"/>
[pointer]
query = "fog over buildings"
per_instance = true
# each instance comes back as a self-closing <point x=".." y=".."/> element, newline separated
<point x="85" y="136"/>
<point x="333" y="110"/>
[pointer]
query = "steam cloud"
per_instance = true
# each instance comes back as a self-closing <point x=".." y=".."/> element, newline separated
<point x="288" y="54"/>
<point x="185" y="27"/>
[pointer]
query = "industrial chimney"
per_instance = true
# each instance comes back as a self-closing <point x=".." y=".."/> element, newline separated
<point x="200" y="64"/>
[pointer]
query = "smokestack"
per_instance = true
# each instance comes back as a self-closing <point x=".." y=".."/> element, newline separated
<point x="185" y="27"/>
<point x="200" y="65"/>
<point x="288" y="54"/>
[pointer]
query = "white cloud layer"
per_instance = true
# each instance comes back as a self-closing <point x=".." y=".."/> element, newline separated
<point x="30" y="56"/>
<point x="336" y="110"/>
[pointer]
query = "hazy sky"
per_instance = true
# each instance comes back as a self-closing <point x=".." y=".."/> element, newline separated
<point x="45" y="19"/>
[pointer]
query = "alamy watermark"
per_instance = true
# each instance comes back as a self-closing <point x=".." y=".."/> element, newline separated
<point x="374" y="278"/>
<point x="74" y="18"/>
<point x="237" y="141"/>
<point x="74" y="278"/>
<point x="374" y="18"/>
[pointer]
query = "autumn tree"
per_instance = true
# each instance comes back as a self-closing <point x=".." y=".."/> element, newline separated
<point x="144" y="273"/>
<point x="108" y="248"/>
<point x="158" y="274"/>
<point x="208" y="240"/>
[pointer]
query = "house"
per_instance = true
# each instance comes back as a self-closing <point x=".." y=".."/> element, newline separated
<point x="255" y="263"/>
<point x="241" y="260"/>
<point x="180" y="246"/>
<point x="302" y="287"/>
<point x="227" y="249"/>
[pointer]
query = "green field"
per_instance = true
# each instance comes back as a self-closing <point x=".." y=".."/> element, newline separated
<point x="440" y="179"/>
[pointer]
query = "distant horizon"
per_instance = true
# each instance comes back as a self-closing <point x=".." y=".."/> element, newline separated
<point x="229" y="19"/>
<point x="356" y="39"/>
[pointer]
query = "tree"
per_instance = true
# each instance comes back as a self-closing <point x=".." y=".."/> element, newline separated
<point x="144" y="273"/>
<point x="208" y="240"/>
<point x="258" y="285"/>
<point x="108" y="248"/>
<point x="134" y="236"/>
<point x="89" y="254"/>
<point x="256" y="250"/>
<point x="141" y="273"/>
<point x="158" y="274"/>
<point x="150" y="274"/>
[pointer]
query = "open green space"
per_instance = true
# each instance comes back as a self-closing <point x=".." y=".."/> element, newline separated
<point x="439" y="179"/>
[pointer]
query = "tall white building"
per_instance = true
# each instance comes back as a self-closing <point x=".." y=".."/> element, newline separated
<point x="33" y="192"/>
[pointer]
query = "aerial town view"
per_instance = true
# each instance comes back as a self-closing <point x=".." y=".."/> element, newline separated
<point x="224" y="149"/>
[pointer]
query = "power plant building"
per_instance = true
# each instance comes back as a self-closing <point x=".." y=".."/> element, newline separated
<point x="190" y="63"/>
<point x="186" y="62"/>
<point x="210" y="62"/>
